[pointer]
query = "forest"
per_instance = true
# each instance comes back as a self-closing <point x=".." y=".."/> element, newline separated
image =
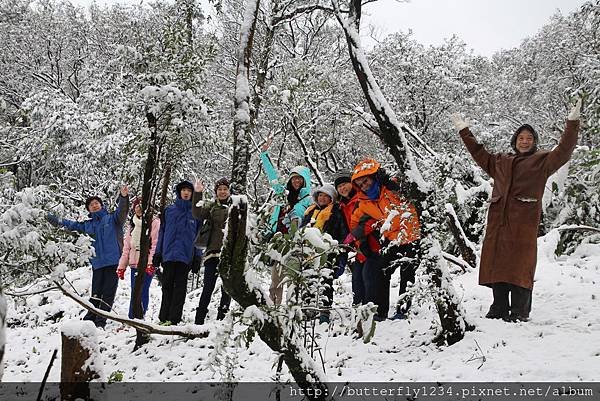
<point x="150" y="95"/>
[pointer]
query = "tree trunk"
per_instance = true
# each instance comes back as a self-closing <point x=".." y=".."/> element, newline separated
<point x="79" y="347"/>
<point x="392" y="134"/>
<point x="2" y="329"/>
<point x="464" y="245"/>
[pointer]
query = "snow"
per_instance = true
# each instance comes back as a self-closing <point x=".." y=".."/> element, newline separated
<point x="559" y="343"/>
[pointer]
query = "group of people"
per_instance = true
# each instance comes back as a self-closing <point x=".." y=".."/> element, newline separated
<point x="364" y="209"/>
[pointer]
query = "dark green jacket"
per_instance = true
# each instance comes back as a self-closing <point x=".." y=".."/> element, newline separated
<point x="214" y="214"/>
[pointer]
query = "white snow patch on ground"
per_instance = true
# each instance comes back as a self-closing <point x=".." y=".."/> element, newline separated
<point x="559" y="343"/>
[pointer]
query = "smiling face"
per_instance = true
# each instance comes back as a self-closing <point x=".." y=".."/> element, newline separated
<point x="297" y="182"/>
<point x="525" y="141"/>
<point x="94" y="206"/>
<point x="364" y="183"/>
<point x="344" y="189"/>
<point x="222" y="192"/>
<point x="323" y="199"/>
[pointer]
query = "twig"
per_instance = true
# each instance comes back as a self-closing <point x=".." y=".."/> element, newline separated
<point x="39" y="398"/>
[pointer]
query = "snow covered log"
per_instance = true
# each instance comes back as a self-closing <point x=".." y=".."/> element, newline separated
<point x="81" y="361"/>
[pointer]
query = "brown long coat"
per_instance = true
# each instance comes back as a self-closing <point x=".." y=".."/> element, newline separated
<point x="509" y="253"/>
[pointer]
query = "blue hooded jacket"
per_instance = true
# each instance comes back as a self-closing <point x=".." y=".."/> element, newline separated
<point x="106" y="229"/>
<point x="304" y="197"/>
<point x="178" y="230"/>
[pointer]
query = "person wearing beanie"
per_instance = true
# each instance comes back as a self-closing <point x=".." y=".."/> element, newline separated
<point x="285" y="217"/>
<point x="348" y="201"/>
<point x="325" y="214"/>
<point x="509" y="251"/>
<point x="107" y="231"/>
<point x="175" y="251"/>
<point x="131" y="254"/>
<point x="387" y="240"/>
<point x="210" y="240"/>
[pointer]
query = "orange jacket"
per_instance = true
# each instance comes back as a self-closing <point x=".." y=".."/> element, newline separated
<point x="403" y="226"/>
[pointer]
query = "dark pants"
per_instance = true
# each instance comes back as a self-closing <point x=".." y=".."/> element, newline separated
<point x="174" y="288"/>
<point x="145" y="291"/>
<point x="520" y="302"/>
<point x="211" y="274"/>
<point x="378" y="270"/>
<point x="104" y="288"/>
<point x="408" y="261"/>
<point x="358" y="284"/>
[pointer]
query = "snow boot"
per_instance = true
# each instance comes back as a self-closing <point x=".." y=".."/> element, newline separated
<point x="499" y="308"/>
<point x="520" y="304"/>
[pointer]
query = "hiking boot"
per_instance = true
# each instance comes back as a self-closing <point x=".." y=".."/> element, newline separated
<point x="378" y="318"/>
<point x="515" y="318"/>
<point x="399" y="316"/>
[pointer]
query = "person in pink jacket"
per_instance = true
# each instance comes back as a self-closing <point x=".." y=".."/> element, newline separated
<point x="131" y="254"/>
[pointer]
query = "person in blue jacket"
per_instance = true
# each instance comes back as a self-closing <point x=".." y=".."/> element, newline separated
<point x="285" y="217"/>
<point x="106" y="229"/>
<point x="175" y="251"/>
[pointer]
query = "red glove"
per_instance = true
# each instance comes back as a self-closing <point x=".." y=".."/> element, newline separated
<point x="121" y="274"/>
<point x="150" y="269"/>
<point x="349" y="239"/>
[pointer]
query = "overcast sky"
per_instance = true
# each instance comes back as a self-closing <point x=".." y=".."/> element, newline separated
<point x="484" y="25"/>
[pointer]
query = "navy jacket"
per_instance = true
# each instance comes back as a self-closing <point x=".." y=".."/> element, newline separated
<point x="178" y="230"/>
<point x="106" y="229"/>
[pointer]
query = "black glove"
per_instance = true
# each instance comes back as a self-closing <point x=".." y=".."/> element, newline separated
<point x="156" y="260"/>
<point x="52" y="219"/>
<point x="196" y="264"/>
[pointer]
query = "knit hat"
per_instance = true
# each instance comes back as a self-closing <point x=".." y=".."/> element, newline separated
<point x="327" y="189"/>
<point x="181" y="185"/>
<point x="341" y="177"/>
<point x="221" y="181"/>
<point x="90" y="199"/>
<point x="513" y="139"/>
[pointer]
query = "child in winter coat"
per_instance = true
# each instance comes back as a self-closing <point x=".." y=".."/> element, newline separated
<point x="131" y="254"/>
<point x="107" y="231"/>
<point x="175" y="251"/>
<point x="387" y="226"/>
<point x="348" y="201"/>
<point x="210" y="238"/>
<point x="325" y="214"/>
<point x="284" y="217"/>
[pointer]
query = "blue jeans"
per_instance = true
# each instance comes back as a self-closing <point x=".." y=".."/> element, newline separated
<point x="145" y="291"/>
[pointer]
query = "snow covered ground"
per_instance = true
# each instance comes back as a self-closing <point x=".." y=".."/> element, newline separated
<point x="559" y="343"/>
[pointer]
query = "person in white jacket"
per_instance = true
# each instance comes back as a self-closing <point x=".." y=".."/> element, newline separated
<point x="131" y="254"/>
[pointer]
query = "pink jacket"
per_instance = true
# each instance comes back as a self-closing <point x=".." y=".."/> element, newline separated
<point x="130" y="256"/>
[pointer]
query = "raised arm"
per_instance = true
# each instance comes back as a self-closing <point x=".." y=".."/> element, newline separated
<point x="271" y="173"/>
<point x="199" y="212"/>
<point x="120" y="214"/>
<point x="485" y="159"/>
<point x="562" y="153"/>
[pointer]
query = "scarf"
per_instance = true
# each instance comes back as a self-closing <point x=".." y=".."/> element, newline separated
<point x="373" y="192"/>
<point x="136" y="233"/>
<point x="321" y="216"/>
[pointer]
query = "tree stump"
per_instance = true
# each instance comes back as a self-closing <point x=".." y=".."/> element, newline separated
<point x="80" y="360"/>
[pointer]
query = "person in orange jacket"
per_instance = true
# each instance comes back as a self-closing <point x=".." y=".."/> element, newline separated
<point x="348" y="201"/>
<point x="387" y="227"/>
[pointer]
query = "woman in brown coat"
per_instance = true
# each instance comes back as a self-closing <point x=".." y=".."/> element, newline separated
<point x="509" y="252"/>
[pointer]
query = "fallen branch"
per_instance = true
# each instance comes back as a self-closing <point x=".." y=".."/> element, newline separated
<point x="147" y="328"/>
<point x="578" y="228"/>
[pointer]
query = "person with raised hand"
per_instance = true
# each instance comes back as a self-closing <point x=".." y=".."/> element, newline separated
<point x="131" y="254"/>
<point x="175" y="251"/>
<point x="210" y="240"/>
<point x="285" y="217"/>
<point x="107" y="231"/>
<point x="509" y="252"/>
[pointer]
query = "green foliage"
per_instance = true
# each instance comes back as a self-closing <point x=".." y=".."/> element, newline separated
<point x="116" y="376"/>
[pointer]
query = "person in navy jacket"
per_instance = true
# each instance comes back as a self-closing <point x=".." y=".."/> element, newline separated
<point x="175" y="251"/>
<point x="106" y="229"/>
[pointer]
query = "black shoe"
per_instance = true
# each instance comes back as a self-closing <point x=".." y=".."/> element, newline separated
<point x="497" y="313"/>
<point x="515" y="318"/>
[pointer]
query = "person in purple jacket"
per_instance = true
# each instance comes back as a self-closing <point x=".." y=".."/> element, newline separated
<point x="106" y="229"/>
